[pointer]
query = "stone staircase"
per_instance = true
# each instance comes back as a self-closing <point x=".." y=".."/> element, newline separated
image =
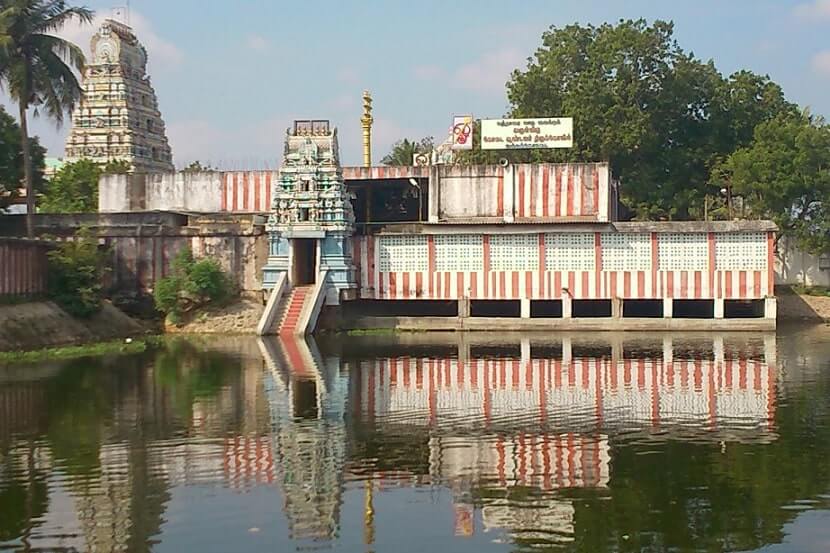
<point x="292" y="308"/>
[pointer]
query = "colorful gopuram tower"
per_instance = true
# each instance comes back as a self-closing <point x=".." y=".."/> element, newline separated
<point x="311" y="217"/>
<point x="118" y="117"/>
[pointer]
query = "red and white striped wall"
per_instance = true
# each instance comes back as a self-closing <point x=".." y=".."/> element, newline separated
<point x="250" y="191"/>
<point x="631" y="391"/>
<point x="248" y="460"/>
<point x="561" y="190"/>
<point x="247" y="191"/>
<point x="650" y="282"/>
<point x="544" y="460"/>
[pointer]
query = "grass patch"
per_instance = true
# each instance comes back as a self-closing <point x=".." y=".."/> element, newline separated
<point x="72" y="352"/>
<point x="371" y="332"/>
<point x="811" y="290"/>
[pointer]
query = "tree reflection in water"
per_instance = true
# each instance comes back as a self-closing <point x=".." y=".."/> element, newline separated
<point x="614" y="443"/>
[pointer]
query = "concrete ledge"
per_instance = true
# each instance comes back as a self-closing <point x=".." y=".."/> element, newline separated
<point x="517" y="324"/>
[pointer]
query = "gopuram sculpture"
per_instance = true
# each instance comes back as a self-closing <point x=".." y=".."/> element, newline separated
<point x="117" y="117"/>
<point x="311" y="218"/>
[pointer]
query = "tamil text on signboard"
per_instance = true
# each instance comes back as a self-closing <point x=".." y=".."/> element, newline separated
<point x="523" y="134"/>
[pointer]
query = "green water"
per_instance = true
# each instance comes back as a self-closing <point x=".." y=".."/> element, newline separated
<point x="586" y="442"/>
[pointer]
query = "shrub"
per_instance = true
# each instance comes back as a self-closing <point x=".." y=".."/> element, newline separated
<point x="191" y="284"/>
<point x="75" y="273"/>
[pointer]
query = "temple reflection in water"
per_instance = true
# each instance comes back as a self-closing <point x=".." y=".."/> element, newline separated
<point x="513" y="431"/>
<point x="500" y="417"/>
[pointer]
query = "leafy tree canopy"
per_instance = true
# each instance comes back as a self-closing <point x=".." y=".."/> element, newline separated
<point x="403" y="151"/>
<point x="11" y="160"/>
<point x="660" y="116"/>
<point x="784" y="175"/>
<point x="73" y="189"/>
<point x="197" y="167"/>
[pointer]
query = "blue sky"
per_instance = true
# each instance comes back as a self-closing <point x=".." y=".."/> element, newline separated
<point x="231" y="76"/>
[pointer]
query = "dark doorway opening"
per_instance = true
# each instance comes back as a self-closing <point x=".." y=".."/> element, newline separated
<point x="591" y="308"/>
<point x="546" y="309"/>
<point x="643" y="308"/>
<point x="304" y="266"/>
<point x="401" y="308"/>
<point x="305" y="399"/>
<point x="743" y="309"/>
<point x="495" y="308"/>
<point x="693" y="309"/>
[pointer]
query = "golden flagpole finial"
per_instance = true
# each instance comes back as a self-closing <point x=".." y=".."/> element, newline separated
<point x="366" y="122"/>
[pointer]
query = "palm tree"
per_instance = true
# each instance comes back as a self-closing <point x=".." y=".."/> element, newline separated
<point x="36" y="67"/>
<point x="403" y="151"/>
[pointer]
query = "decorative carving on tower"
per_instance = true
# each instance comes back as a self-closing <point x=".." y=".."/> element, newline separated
<point x="117" y="117"/>
<point x="310" y="201"/>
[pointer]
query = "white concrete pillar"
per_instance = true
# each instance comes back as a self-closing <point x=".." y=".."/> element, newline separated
<point x="719" y="308"/>
<point x="616" y="308"/>
<point x="567" y="306"/>
<point x="525" y="308"/>
<point x="567" y="350"/>
<point x="770" y="350"/>
<point x="668" y="350"/>
<point x="463" y="307"/>
<point x="525" y="348"/>
<point x="668" y="308"/>
<point x="509" y="193"/>
<point x="718" y="351"/>
<point x="771" y="308"/>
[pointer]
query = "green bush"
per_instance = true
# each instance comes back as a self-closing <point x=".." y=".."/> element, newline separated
<point x="191" y="284"/>
<point x="75" y="274"/>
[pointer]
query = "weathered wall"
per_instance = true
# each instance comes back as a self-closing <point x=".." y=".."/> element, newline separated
<point x="574" y="191"/>
<point x="142" y="245"/>
<point x="793" y="266"/>
<point x="22" y="267"/>
<point x="525" y="191"/>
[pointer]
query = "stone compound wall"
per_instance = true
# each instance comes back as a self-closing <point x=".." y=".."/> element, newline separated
<point x="22" y="268"/>
<point x="793" y="266"/>
<point x="142" y="245"/>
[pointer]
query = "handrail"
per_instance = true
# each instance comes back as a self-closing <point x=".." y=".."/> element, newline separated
<point x="266" y="322"/>
<point x="308" y="317"/>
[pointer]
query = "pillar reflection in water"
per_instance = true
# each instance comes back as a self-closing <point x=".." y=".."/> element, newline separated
<point x="508" y="427"/>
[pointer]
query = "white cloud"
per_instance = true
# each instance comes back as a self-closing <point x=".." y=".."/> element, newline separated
<point x="199" y="139"/>
<point x="343" y="102"/>
<point x="428" y="72"/>
<point x="815" y="10"/>
<point x="821" y="63"/>
<point x="348" y="75"/>
<point x="257" y="43"/>
<point x="163" y="54"/>
<point x="489" y="73"/>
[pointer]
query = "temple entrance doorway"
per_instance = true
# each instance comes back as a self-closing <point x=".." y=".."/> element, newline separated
<point x="304" y="264"/>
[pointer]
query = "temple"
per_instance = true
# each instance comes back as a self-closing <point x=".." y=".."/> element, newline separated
<point x="453" y="247"/>
<point x="117" y="118"/>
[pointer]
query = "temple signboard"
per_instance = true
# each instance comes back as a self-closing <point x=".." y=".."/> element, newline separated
<point x="524" y="134"/>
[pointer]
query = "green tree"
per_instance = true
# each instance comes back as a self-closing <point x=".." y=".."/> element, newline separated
<point x="191" y="284"/>
<point x="75" y="275"/>
<point x="117" y="167"/>
<point x="661" y="117"/>
<point x="403" y="151"/>
<point x="11" y="160"/>
<point x="34" y="68"/>
<point x="784" y="175"/>
<point x="197" y="167"/>
<point x="73" y="189"/>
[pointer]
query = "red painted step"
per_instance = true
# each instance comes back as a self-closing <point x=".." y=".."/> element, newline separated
<point x="293" y="308"/>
